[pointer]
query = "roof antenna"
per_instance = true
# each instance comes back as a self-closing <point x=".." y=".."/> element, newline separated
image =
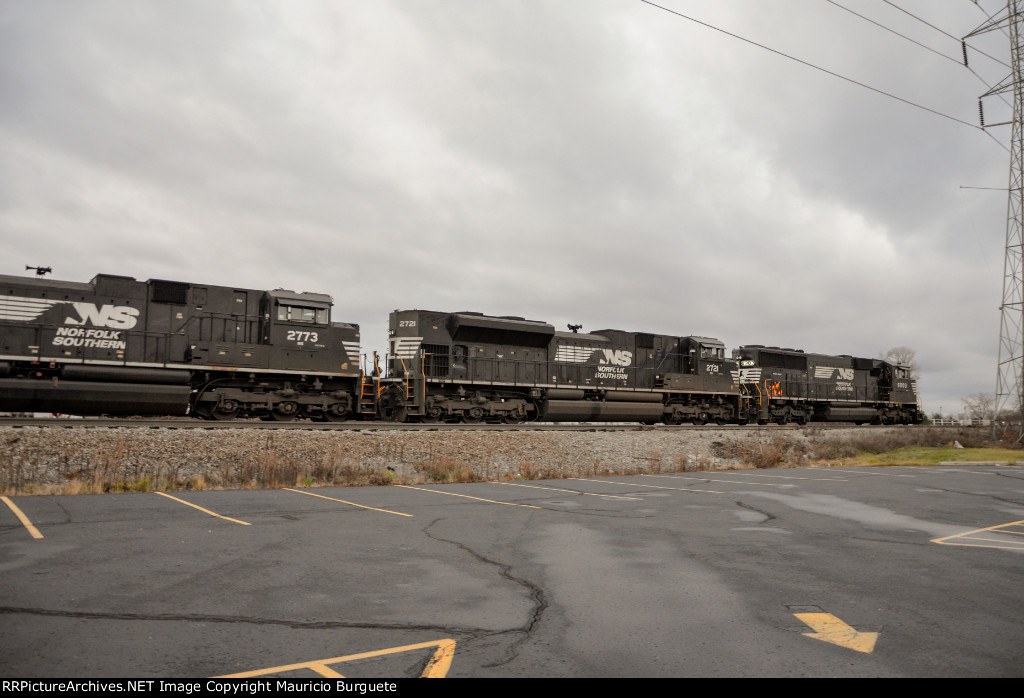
<point x="574" y="328"/>
<point x="40" y="271"/>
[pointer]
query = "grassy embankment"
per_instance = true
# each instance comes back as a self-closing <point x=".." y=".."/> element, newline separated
<point x="117" y="469"/>
<point x="933" y="455"/>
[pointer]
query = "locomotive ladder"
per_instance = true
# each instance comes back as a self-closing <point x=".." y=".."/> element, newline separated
<point x="368" y="390"/>
<point x="412" y="405"/>
<point x="368" y="397"/>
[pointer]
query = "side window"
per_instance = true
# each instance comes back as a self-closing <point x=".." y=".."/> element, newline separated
<point x="294" y="313"/>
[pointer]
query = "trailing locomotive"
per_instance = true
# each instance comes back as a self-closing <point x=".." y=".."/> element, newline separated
<point x="118" y="346"/>
<point x="471" y="367"/>
<point x="788" y="385"/>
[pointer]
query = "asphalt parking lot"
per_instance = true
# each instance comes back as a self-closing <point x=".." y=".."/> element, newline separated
<point x="802" y="572"/>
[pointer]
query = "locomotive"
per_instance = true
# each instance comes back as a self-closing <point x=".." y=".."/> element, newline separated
<point x="788" y="385"/>
<point x="117" y="346"/>
<point x="470" y="367"/>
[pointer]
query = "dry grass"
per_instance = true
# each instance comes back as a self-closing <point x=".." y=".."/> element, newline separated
<point x="121" y="463"/>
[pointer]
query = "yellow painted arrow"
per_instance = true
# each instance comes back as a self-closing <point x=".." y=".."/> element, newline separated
<point x="830" y="629"/>
<point x="436" y="668"/>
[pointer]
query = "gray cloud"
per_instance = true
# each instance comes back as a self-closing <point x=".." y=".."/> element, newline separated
<point x="600" y="162"/>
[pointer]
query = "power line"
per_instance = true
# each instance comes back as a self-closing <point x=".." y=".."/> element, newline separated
<point x="889" y="29"/>
<point x="942" y="31"/>
<point x="928" y="48"/>
<point x="817" y="67"/>
<point x="988" y="16"/>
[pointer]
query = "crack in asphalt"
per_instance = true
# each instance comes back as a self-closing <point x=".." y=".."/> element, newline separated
<point x="986" y="495"/>
<point x="67" y="514"/>
<point x="300" y="625"/>
<point x="536" y="594"/>
<point x="770" y="517"/>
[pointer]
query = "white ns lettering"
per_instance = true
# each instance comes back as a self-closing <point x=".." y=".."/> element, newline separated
<point x="120" y="316"/>
<point x="617" y="357"/>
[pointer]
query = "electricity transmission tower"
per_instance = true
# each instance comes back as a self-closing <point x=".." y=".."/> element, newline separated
<point x="1010" y="373"/>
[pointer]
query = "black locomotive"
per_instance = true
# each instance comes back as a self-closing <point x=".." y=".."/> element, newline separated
<point x="788" y="385"/>
<point x="471" y="367"/>
<point x="118" y="346"/>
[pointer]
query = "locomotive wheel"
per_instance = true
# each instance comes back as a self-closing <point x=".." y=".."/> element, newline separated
<point x="224" y="411"/>
<point x="474" y="415"/>
<point x="284" y="412"/>
<point x="432" y="415"/>
<point x="511" y="419"/>
<point x="335" y="413"/>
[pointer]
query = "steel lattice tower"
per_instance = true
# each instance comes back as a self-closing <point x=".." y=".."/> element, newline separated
<point x="1010" y="366"/>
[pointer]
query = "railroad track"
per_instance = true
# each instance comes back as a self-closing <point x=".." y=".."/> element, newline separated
<point x="102" y="423"/>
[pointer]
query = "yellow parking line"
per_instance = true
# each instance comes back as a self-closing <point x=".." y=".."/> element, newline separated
<point x="556" y="489"/>
<point x="793" y="477"/>
<point x="481" y="499"/>
<point x="206" y="511"/>
<point x="711" y="479"/>
<point x="24" y="519"/>
<point x="361" y="506"/>
<point x="656" y="487"/>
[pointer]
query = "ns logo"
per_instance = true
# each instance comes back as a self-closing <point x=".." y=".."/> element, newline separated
<point x="119" y="317"/>
<point x="616" y="357"/>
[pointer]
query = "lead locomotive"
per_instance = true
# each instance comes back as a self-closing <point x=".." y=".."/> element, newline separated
<point x="119" y="346"/>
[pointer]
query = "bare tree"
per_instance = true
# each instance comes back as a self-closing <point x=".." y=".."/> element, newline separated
<point x="980" y="405"/>
<point x="902" y="356"/>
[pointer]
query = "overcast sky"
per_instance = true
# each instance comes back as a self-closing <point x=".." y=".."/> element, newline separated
<point x="602" y="162"/>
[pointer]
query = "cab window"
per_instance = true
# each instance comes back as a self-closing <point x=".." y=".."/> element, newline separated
<point x="295" y="313"/>
<point x="707" y="352"/>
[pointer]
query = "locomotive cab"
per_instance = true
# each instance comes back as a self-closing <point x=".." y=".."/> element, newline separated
<point x="298" y="326"/>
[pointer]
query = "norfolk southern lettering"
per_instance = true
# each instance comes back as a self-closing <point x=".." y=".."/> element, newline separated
<point x="81" y="337"/>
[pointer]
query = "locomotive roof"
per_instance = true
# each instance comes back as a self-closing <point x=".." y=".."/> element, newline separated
<point x="587" y="336"/>
<point x="43" y="283"/>
<point x="470" y="317"/>
<point x="304" y="297"/>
